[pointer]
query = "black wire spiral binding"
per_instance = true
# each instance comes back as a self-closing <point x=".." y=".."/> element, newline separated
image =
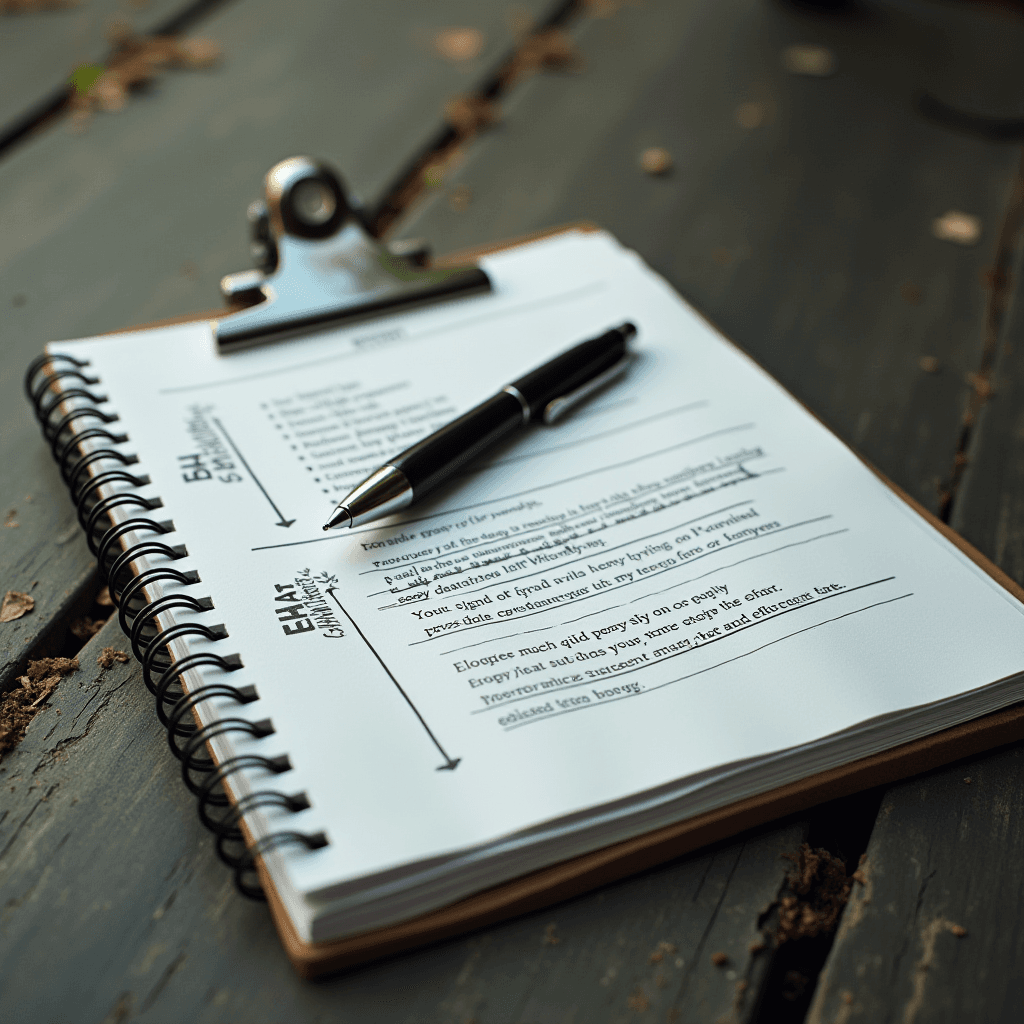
<point x="176" y="708"/>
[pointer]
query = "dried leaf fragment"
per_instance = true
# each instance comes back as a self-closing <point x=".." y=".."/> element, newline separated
<point x="656" y="160"/>
<point x="809" y="59"/>
<point x="16" y="603"/>
<point x="957" y="226"/>
<point x="458" y="44"/>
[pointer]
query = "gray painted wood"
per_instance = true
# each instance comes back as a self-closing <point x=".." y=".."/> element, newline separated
<point x="138" y="217"/>
<point x="795" y="237"/>
<point x="945" y="854"/>
<point x="110" y="890"/>
<point x="39" y="50"/>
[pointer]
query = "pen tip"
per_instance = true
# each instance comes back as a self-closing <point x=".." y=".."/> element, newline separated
<point x="339" y="518"/>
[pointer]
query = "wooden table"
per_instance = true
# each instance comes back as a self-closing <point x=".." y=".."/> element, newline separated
<point x="797" y="215"/>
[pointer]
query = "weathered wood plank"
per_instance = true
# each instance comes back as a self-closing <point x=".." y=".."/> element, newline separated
<point x="946" y="854"/>
<point x="110" y="890"/>
<point x="40" y="49"/>
<point x="807" y="239"/>
<point x="139" y="217"/>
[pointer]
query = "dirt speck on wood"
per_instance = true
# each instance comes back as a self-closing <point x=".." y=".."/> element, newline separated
<point x="656" y="160"/>
<point x="808" y="59"/>
<point x="957" y="226"/>
<point x="110" y="655"/>
<point x="719" y="959"/>
<point x="459" y="44"/>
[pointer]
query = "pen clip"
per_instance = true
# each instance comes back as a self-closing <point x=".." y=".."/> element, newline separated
<point x="558" y="407"/>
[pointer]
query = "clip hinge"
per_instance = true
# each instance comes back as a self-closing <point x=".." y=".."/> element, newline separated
<point x="319" y="266"/>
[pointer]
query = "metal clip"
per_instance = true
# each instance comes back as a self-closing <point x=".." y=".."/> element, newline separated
<point x="319" y="266"/>
<point x="558" y="407"/>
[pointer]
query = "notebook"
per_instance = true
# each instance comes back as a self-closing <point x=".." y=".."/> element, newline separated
<point x="685" y="608"/>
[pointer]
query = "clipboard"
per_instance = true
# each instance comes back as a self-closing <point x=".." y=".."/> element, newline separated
<point x="317" y="266"/>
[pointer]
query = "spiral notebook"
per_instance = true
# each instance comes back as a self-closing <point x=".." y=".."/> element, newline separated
<point x="685" y="609"/>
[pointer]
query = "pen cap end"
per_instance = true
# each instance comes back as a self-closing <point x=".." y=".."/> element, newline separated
<point x="628" y="331"/>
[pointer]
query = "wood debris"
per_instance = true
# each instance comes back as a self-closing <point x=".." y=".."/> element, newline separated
<point x="469" y="114"/>
<point x="660" y="951"/>
<point x="551" y="49"/>
<point x="808" y="59"/>
<point x="655" y="160"/>
<point x="719" y="959"/>
<point x="751" y="115"/>
<point x="982" y="385"/>
<point x="459" y="44"/>
<point x="820" y="891"/>
<point x="957" y="226"/>
<point x="110" y="655"/>
<point x="19" y="706"/>
<point x="910" y="293"/>
<point x="460" y="198"/>
<point x="136" y="60"/>
<point x="86" y="628"/>
<point x="638" y="1001"/>
<point x="15" y="604"/>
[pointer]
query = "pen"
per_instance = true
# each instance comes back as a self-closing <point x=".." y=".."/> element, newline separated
<point x="543" y="394"/>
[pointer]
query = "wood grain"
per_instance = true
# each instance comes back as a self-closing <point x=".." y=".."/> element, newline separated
<point x="39" y="50"/>
<point x="945" y="852"/>
<point x="946" y="855"/>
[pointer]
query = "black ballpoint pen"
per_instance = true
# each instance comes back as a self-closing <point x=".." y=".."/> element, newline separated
<point x="543" y="394"/>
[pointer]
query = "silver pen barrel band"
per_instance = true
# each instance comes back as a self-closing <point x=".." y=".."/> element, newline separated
<point x="512" y="390"/>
